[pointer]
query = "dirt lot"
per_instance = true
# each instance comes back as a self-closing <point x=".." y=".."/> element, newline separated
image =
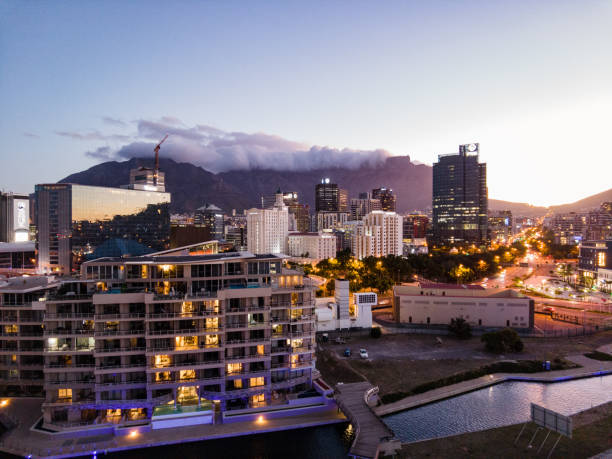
<point x="592" y="435"/>
<point x="402" y="361"/>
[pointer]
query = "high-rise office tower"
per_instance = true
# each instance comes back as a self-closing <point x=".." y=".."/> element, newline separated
<point x="211" y="217"/>
<point x="14" y="217"/>
<point x="386" y="197"/>
<point x="343" y="201"/>
<point x="267" y="229"/>
<point x="363" y="206"/>
<point x="327" y="196"/>
<point x="415" y="226"/>
<point x="73" y="220"/>
<point x="460" y="198"/>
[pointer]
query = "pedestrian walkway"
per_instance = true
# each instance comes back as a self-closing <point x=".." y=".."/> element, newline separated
<point x="588" y="367"/>
<point x="372" y="435"/>
<point x="22" y="441"/>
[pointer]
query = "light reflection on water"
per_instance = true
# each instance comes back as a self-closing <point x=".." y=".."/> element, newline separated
<point x="504" y="404"/>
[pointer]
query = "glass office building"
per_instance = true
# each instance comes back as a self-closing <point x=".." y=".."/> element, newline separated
<point x="460" y="198"/>
<point x="73" y="220"/>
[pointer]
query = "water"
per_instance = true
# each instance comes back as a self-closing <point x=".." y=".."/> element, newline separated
<point x="331" y="441"/>
<point x="496" y="406"/>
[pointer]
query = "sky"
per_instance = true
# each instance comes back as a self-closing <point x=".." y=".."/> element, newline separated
<point x="240" y="84"/>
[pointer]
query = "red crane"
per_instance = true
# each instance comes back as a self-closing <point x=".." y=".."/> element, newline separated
<point x="156" y="150"/>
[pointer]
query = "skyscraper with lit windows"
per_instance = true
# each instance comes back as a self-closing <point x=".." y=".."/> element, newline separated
<point x="460" y="198"/>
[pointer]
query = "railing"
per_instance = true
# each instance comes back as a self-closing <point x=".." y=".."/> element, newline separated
<point x="120" y="349"/>
<point x="135" y="331"/>
<point x="69" y="315"/>
<point x="170" y="296"/>
<point x="171" y="315"/>
<point x="66" y="297"/>
<point x="247" y="356"/>
<point x="187" y="331"/>
<point x="64" y="331"/>
<point x="184" y="364"/>
<point x="68" y="366"/>
<point x="71" y="381"/>
<point x="135" y="366"/>
<point x="18" y="333"/>
<point x="68" y="349"/>
<point x="250" y="340"/>
<point x="129" y="315"/>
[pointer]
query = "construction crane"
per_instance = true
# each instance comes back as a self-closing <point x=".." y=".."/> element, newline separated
<point x="156" y="150"/>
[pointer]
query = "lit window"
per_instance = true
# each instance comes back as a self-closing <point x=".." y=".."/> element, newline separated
<point x="187" y="374"/>
<point x="162" y="376"/>
<point x="162" y="361"/>
<point x="234" y="368"/>
<point x="601" y="259"/>
<point x="260" y="349"/>
<point x="256" y="382"/>
<point x="64" y="394"/>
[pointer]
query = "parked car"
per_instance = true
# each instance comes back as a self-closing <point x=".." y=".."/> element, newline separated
<point x="347" y="352"/>
<point x="363" y="353"/>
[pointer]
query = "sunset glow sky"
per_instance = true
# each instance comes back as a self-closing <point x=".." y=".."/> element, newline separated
<point x="246" y="82"/>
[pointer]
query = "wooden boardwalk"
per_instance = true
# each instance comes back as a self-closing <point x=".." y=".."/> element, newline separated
<point x="371" y="432"/>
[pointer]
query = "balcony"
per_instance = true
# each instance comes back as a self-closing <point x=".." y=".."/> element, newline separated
<point x="115" y="332"/>
<point x="254" y="356"/>
<point x="68" y="331"/>
<point x="120" y="350"/>
<point x="130" y="315"/>
<point x="69" y="316"/>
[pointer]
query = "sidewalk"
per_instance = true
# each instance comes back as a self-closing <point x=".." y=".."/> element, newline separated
<point x="589" y="367"/>
<point x="22" y="441"/>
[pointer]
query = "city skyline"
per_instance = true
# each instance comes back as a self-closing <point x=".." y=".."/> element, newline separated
<point x="529" y="82"/>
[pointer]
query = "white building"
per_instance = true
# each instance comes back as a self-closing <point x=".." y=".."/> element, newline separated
<point x="317" y="246"/>
<point x="381" y="234"/>
<point x="267" y="229"/>
<point x="436" y="304"/>
<point x="331" y="220"/>
<point x="345" y="311"/>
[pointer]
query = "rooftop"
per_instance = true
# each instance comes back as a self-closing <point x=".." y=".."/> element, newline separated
<point x="182" y="259"/>
<point x="11" y="247"/>
<point x="439" y="285"/>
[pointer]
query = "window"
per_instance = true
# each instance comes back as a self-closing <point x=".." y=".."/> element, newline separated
<point x="162" y="376"/>
<point x="212" y="340"/>
<point x="234" y="368"/>
<point x="64" y="394"/>
<point x="186" y="343"/>
<point x="238" y="384"/>
<point x="260" y="349"/>
<point x="258" y="400"/>
<point x="256" y="382"/>
<point x="162" y="361"/>
<point x="187" y="374"/>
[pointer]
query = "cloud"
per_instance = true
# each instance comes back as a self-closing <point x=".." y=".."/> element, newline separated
<point x="93" y="135"/>
<point x="114" y="121"/>
<point x="31" y="135"/>
<point x="103" y="153"/>
<point x="219" y="151"/>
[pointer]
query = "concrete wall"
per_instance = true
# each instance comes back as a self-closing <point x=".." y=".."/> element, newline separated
<point x="485" y="312"/>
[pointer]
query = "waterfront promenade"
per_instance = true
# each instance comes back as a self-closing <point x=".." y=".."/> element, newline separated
<point x="588" y="367"/>
<point x="22" y="441"/>
<point x="372" y="435"/>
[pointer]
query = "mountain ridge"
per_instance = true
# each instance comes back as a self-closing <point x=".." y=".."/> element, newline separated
<point x="192" y="186"/>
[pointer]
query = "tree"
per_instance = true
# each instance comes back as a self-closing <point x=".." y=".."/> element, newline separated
<point x="460" y="328"/>
<point x="375" y="332"/>
<point x="502" y="341"/>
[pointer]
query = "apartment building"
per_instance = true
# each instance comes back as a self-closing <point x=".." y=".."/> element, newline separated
<point x="21" y="338"/>
<point x="212" y="335"/>
<point x="317" y="246"/>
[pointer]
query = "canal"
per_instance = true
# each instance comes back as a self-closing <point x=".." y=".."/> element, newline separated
<point x="496" y="406"/>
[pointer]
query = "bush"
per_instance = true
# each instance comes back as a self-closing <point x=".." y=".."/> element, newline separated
<point x="502" y="341"/>
<point x="375" y="332"/>
<point x="460" y="328"/>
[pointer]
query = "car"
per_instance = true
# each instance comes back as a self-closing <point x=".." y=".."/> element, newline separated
<point x="548" y="309"/>
<point x="363" y="353"/>
<point x="347" y="352"/>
